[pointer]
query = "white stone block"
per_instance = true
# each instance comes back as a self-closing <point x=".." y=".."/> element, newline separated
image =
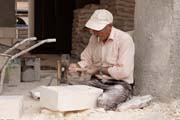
<point x="69" y="98"/>
<point x="11" y="107"/>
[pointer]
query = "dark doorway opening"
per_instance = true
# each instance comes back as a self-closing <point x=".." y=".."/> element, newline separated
<point x="53" y="19"/>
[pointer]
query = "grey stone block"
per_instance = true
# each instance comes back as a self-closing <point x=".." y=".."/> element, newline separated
<point x="31" y="69"/>
<point x="136" y="102"/>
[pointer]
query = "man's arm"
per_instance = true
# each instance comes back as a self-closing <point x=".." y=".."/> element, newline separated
<point x="86" y="55"/>
<point x="86" y="59"/>
<point x="125" y="63"/>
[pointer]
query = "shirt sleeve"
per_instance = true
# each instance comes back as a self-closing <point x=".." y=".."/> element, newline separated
<point x="86" y="55"/>
<point x="125" y="62"/>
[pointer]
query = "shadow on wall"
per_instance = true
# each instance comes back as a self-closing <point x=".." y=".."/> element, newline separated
<point x="131" y="33"/>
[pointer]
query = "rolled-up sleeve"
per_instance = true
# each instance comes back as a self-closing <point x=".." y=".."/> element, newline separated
<point x="86" y="55"/>
<point x="125" y="62"/>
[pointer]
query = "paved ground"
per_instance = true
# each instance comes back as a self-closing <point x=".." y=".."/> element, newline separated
<point x="156" y="110"/>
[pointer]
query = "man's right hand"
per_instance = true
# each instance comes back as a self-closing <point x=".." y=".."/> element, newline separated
<point x="74" y="67"/>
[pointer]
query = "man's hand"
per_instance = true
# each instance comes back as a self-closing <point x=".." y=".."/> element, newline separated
<point x="73" y="67"/>
<point x="92" y="69"/>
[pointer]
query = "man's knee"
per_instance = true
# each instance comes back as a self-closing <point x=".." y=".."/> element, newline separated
<point x="112" y="97"/>
<point x="104" y="101"/>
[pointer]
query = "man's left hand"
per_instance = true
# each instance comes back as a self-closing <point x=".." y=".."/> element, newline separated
<point x="94" y="69"/>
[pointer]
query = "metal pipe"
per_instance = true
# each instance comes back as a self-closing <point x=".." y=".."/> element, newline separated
<point x="17" y="55"/>
<point x="32" y="47"/>
<point x="20" y="43"/>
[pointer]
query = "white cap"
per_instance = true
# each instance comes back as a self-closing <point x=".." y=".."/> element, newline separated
<point x="99" y="19"/>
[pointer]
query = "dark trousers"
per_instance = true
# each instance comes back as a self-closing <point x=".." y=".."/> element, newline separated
<point x="115" y="92"/>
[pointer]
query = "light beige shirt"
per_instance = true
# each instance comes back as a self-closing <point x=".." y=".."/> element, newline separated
<point x="117" y="53"/>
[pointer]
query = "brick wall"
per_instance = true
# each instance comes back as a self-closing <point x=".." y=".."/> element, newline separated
<point x="122" y="10"/>
<point x="80" y="36"/>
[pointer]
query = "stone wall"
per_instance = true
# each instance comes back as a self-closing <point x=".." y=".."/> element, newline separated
<point x="175" y="50"/>
<point x="157" y="41"/>
<point x="122" y="10"/>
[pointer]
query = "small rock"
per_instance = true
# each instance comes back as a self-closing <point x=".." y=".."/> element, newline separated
<point x="35" y="93"/>
<point x="136" y="102"/>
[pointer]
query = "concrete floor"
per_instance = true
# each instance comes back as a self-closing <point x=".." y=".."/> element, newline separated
<point x="32" y="111"/>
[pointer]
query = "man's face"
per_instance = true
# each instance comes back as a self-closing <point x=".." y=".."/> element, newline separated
<point x="104" y="33"/>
